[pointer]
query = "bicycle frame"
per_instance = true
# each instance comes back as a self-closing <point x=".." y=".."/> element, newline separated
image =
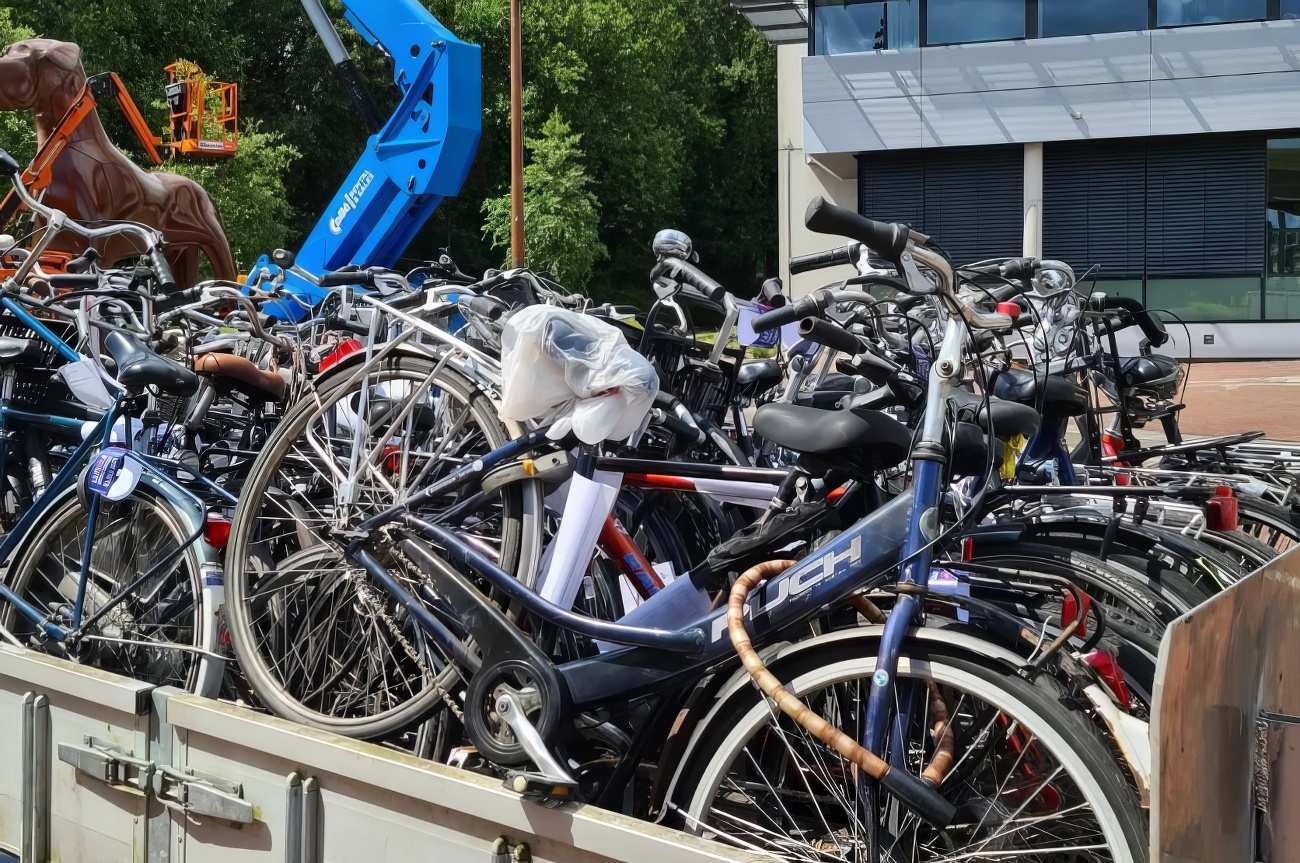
<point x="65" y="480"/>
<point x="657" y="646"/>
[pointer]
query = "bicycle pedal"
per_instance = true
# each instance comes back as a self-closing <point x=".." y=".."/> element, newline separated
<point x="536" y="786"/>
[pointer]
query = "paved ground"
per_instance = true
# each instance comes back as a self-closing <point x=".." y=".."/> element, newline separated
<point x="1224" y="398"/>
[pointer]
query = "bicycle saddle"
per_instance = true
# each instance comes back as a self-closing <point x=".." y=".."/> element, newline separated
<point x="830" y="391"/>
<point x="138" y="367"/>
<point x="1060" y="397"/>
<point x="1009" y="418"/>
<point x="1145" y="371"/>
<point x="20" y="352"/>
<point x="241" y="374"/>
<point x="758" y="375"/>
<point x="866" y="438"/>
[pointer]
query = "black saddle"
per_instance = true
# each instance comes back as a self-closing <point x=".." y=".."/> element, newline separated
<point x="20" y="352"/>
<point x="829" y="392"/>
<point x="1059" y="397"/>
<point x="968" y="450"/>
<point x="757" y="376"/>
<point x="1009" y="418"/>
<point x="1143" y="371"/>
<point x="865" y="439"/>
<point x="138" y="367"/>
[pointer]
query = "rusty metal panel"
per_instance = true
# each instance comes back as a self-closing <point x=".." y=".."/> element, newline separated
<point x="1225" y="739"/>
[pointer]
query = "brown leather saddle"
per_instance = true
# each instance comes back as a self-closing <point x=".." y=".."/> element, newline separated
<point x="229" y="372"/>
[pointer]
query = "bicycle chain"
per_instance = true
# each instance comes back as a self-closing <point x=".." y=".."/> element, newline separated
<point x="368" y="597"/>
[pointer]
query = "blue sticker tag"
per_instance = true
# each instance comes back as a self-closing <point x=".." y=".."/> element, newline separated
<point x="114" y="473"/>
<point x="922" y="360"/>
<point x="104" y="469"/>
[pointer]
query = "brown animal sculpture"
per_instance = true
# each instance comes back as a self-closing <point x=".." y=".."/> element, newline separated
<point x="94" y="180"/>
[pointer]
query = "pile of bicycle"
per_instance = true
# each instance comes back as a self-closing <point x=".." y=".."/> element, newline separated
<point x="893" y="591"/>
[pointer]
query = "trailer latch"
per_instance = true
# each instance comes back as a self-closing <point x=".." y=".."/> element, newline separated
<point x="202" y="794"/>
<point x="184" y="788"/>
<point x="108" y="763"/>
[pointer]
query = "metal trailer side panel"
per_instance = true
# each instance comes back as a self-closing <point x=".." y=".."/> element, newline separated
<point x="67" y="817"/>
<point x="95" y="767"/>
<point x="386" y="807"/>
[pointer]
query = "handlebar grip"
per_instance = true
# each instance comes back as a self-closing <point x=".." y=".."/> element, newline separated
<point x="162" y="270"/>
<point x="886" y="239"/>
<point x="1151" y="326"/>
<point x="485" y="307"/>
<point x="74" y="281"/>
<point x="334" y="322"/>
<point x="787" y="314"/>
<point x="679" y="427"/>
<point x="676" y="268"/>
<point x="831" y="335"/>
<point x="1019" y="268"/>
<point x="166" y="303"/>
<point x="821" y="260"/>
<point x="8" y="165"/>
<point x="342" y="278"/>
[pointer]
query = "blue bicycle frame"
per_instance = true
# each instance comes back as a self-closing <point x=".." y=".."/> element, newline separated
<point x="63" y="481"/>
<point x="660" y="647"/>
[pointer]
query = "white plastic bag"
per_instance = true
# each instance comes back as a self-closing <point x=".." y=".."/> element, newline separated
<point x="575" y="372"/>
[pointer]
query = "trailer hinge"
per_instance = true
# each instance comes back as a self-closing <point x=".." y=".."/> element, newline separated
<point x="185" y="789"/>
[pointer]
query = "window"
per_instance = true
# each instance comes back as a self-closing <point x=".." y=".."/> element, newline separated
<point x="851" y="26"/>
<point x="1172" y="13"/>
<point x="1282" y="267"/>
<point x="1075" y="18"/>
<point x="970" y="198"/>
<point x="1290" y="10"/>
<point x="1206" y="299"/>
<point x="952" y="21"/>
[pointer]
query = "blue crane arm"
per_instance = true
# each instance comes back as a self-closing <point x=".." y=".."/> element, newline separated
<point x="420" y="155"/>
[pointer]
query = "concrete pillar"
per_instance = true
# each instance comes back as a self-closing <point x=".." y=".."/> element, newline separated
<point x="1033" y="231"/>
<point x="800" y="178"/>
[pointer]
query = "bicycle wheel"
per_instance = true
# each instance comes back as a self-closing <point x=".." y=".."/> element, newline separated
<point x="317" y="642"/>
<point x="1032" y="779"/>
<point x="134" y="637"/>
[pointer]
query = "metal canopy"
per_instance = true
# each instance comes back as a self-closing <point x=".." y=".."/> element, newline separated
<point x="780" y="21"/>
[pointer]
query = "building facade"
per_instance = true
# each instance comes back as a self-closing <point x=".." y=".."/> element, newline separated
<point x="1154" y="144"/>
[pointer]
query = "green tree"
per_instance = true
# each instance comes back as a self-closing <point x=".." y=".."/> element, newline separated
<point x="674" y="101"/>
<point x="17" y="135"/>
<point x="248" y="190"/>
<point x="561" y="216"/>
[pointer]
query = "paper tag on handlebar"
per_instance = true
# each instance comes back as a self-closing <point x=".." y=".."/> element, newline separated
<point x="788" y="334"/>
<point x="113" y="473"/>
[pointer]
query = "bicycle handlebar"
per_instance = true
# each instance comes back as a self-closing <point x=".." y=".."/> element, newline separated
<point x="681" y="271"/>
<point x="831" y="335"/>
<point x="846" y="254"/>
<point x="343" y="278"/>
<point x="1150" y="325"/>
<point x="886" y="239"/>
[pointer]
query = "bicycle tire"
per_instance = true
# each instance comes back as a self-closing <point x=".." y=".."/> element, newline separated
<point x="54" y="546"/>
<point x="262" y="663"/>
<point x="1038" y="706"/>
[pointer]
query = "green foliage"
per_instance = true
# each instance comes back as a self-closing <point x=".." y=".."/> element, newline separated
<point x="561" y="221"/>
<point x="674" y="102"/>
<point x="17" y="134"/>
<point x="248" y="190"/>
